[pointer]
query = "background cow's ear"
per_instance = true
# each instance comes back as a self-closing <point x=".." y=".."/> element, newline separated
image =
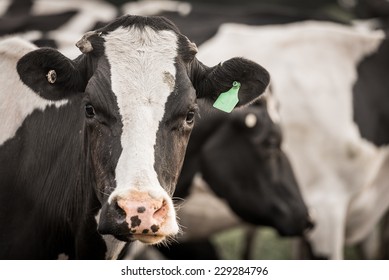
<point x="50" y="74"/>
<point x="210" y="82"/>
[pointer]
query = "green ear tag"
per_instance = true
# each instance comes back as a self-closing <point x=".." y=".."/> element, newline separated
<point x="227" y="101"/>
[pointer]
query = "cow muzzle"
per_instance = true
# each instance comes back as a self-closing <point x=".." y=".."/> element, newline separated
<point x="139" y="216"/>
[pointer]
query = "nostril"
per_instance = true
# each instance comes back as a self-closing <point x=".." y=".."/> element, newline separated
<point x="161" y="212"/>
<point x="121" y="214"/>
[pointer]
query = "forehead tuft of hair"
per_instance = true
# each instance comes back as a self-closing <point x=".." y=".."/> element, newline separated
<point x="186" y="49"/>
<point x="157" y="23"/>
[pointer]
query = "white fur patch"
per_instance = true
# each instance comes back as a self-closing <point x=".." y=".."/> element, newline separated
<point x="114" y="247"/>
<point x="139" y="82"/>
<point x="250" y="120"/>
<point x="4" y="6"/>
<point x="17" y="101"/>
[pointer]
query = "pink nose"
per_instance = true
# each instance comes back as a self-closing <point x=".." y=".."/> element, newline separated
<point x="136" y="215"/>
<point x="145" y="215"/>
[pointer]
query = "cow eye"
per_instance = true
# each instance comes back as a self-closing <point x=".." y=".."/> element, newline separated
<point x="89" y="111"/>
<point x="190" y="117"/>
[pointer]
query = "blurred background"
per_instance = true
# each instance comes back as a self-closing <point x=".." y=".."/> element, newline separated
<point x="49" y="23"/>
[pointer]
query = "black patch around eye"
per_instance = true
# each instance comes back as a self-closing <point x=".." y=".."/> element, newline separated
<point x="89" y="111"/>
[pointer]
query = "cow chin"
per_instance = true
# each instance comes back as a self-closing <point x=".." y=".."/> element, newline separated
<point x="149" y="239"/>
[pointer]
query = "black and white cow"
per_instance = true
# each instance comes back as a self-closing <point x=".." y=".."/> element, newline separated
<point x="240" y="159"/>
<point x="326" y="177"/>
<point x="94" y="146"/>
<point x="330" y="81"/>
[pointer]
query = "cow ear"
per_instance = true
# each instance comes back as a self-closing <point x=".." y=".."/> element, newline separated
<point x="50" y="74"/>
<point x="210" y="82"/>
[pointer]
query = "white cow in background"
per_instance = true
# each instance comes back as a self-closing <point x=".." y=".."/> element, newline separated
<point x="343" y="177"/>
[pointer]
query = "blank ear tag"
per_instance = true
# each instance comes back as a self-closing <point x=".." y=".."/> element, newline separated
<point x="227" y="101"/>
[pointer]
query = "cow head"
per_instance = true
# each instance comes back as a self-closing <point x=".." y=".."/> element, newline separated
<point x="243" y="163"/>
<point x="136" y="85"/>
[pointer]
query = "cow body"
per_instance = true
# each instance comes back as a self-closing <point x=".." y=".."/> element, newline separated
<point x="52" y="155"/>
<point x="94" y="146"/>
<point x="341" y="173"/>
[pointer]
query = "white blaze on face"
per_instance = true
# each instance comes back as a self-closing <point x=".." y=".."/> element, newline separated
<point x="17" y="101"/>
<point x="140" y="59"/>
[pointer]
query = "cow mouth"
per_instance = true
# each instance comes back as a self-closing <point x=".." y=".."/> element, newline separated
<point x="144" y="238"/>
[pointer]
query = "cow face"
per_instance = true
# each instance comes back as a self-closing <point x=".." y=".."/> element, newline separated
<point x="139" y="80"/>
<point x="243" y="163"/>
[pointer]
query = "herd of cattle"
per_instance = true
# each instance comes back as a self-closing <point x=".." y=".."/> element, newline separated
<point x="108" y="134"/>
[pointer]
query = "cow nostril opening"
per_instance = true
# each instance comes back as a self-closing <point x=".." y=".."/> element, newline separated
<point x="161" y="211"/>
<point x="121" y="214"/>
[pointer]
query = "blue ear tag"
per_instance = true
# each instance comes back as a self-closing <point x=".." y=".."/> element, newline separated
<point x="227" y="101"/>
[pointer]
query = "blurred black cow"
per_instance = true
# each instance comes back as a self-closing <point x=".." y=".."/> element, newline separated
<point x="240" y="157"/>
